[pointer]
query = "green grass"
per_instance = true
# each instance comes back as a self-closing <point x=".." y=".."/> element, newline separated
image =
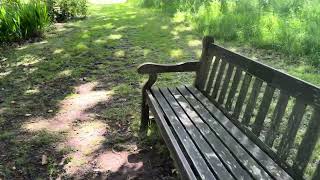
<point x="105" y="48"/>
<point x="288" y="26"/>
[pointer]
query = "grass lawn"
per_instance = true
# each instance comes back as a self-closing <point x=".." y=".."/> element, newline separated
<point x="70" y="100"/>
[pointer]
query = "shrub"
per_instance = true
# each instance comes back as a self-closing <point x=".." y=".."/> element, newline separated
<point x="62" y="10"/>
<point x="22" y="20"/>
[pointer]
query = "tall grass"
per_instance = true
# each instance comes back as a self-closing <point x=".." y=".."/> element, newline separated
<point x="289" y="26"/>
<point x="22" y="20"/>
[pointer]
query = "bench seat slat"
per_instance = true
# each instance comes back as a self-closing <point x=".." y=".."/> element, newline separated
<point x="235" y="148"/>
<point x="214" y="146"/>
<point x="169" y="137"/>
<point x="209" y="154"/>
<point x="263" y="159"/>
<point x="229" y="160"/>
<point x="197" y="160"/>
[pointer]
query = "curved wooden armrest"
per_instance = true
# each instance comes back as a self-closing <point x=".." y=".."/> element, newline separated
<point x="153" y="68"/>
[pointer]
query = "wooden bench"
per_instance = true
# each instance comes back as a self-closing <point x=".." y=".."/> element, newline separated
<point x="240" y="120"/>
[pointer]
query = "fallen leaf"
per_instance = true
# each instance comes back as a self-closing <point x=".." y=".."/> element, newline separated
<point x="44" y="160"/>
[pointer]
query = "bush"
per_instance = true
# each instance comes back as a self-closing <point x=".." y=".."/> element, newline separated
<point x="290" y="26"/>
<point x="62" y="10"/>
<point x="22" y="20"/>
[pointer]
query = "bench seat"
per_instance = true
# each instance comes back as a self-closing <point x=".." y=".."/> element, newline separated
<point x="206" y="144"/>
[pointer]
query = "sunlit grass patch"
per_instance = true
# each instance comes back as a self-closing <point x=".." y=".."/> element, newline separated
<point x="82" y="46"/>
<point x="176" y="53"/>
<point x="115" y="36"/>
<point x="194" y="43"/>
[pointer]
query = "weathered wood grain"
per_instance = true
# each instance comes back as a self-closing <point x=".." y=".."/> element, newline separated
<point x="217" y="84"/>
<point x="255" y="151"/>
<point x="293" y="86"/>
<point x="153" y="68"/>
<point x="308" y="143"/>
<point x="242" y="95"/>
<point x="206" y="56"/>
<point x="212" y="76"/>
<point x="252" y="101"/>
<point x="173" y="145"/>
<point x="225" y="85"/>
<point x="211" y="157"/>
<point x="219" y="146"/>
<point x="233" y="89"/>
<point x="277" y="118"/>
<point x="144" y="106"/>
<point x="263" y="110"/>
<point x="196" y="158"/>
<point x="290" y="133"/>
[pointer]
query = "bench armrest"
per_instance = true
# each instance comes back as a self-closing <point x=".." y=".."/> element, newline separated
<point x="153" y="68"/>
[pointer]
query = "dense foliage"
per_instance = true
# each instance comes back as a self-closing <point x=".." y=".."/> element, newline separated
<point x="22" y="20"/>
<point x="291" y="26"/>
<point x="62" y="10"/>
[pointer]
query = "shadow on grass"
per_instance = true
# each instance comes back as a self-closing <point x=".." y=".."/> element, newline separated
<point x="64" y="98"/>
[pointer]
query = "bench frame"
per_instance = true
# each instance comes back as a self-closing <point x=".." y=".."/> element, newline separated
<point x="296" y="88"/>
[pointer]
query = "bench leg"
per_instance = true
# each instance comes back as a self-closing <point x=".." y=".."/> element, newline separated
<point x="144" y="106"/>
<point x="144" y="117"/>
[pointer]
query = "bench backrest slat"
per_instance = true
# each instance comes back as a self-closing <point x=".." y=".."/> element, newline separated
<point x="263" y="110"/>
<point x="277" y="116"/>
<point x="242" y="95"/>
<point x="280" y="110"/>
<point x="256" y="88"/>
<point x="226" y="84"/>
<point x="233" y="88"/>
<point x="218" y="80"/>
<point x="290" y="133"/>
<point x="308" y="143"/>
<point x="206" y="60"/>
<point x="212" y="75"/>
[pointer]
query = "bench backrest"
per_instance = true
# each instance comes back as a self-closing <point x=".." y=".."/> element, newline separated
<point x="279" y="112"/>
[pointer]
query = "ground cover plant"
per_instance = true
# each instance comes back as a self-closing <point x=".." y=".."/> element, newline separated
<point x="26" y="19"/>
<point x="22" y="20"/>
<point x="72" y="100"/>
